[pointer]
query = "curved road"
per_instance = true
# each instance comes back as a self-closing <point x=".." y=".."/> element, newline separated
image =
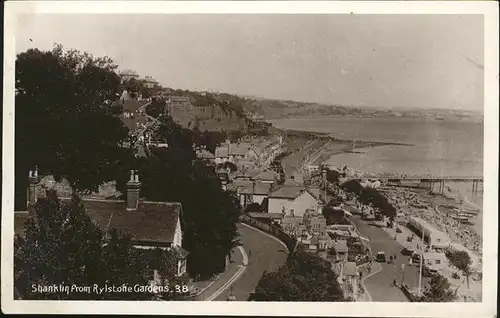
<point x="265" y="253"/>
<point x="379" y="285"/>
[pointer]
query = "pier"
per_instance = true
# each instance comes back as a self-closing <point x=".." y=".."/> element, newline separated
<point x="433" y="181"/>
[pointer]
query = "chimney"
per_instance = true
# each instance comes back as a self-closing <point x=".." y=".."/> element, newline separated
<point x="133" y="187"/>
<point x="253" y="187"/>
<point x="32" y="184"/>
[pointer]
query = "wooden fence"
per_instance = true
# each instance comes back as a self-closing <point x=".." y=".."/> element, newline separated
<point x="290" y="242"/>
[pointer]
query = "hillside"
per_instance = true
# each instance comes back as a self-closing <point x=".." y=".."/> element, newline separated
<point x="205" y="111"/>
<point x="262" y="108"/>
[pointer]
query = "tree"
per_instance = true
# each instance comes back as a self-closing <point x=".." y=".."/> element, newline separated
<point x="212" y="139"/>
<point x="353" y="186"/>
<point x="253" y="207"/>
<point x="332" y="176"/>
<point x="66" y="121"/>
<point x="156" y="108"/>
<point x="304" y="277"/>
<point x="438" y="290"/>
<point x="136" y="87"/>
<point x="370" y="196"/>
<point x="462" y="261"/>
<point x="63" y="246"/>
<point x="209" y="213"/>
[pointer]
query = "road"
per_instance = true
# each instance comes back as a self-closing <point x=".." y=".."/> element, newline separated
<point x="379" y="285"/>
<point x="264" y="254"/>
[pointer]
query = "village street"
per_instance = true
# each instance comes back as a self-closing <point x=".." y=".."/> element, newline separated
<point x="379" y="285"/>
<point x="265" y="253"/>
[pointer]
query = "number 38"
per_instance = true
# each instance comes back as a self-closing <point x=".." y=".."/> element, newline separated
<point x="181" y="288"/>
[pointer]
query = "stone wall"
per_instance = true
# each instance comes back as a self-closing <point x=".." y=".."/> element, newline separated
<point x="275" y="231"/>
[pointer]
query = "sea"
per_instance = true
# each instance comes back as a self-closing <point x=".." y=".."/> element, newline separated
<point x="450" y="147"/>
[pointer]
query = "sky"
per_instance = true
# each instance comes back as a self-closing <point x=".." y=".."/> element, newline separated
<point x="394" y="61"/>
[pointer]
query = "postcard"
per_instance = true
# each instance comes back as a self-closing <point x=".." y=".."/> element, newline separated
<point x="250" y="158"/>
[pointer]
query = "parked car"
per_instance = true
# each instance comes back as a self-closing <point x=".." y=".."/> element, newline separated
<point x="381" y="257"/>
<point x="429" y="272"/>
<point x="408" y="250"/>
<point x="415" y="257"/>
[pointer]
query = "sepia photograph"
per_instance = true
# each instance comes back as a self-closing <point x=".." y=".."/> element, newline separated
<point x="189" y="157"/>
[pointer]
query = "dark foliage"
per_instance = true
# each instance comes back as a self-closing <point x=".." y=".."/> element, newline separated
<point x="461" y="260"/>
<point x="62" y="246"/>
<point x="66" y="123"/>
<point x="136" y="88"/>
<point x="438" y="290"/>
<point x="156" y="108"/>
<point x="332" y="176"/>
<point x="370" y="196"/>
<point x="254" y="207"/>
<point x="209" y="213"/>
<point x="304" y="277"/>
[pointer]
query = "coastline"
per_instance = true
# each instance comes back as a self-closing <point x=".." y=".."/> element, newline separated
<point x="328" y="147"/>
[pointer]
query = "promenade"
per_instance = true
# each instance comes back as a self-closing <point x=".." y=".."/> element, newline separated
<point x="379" y="285"/>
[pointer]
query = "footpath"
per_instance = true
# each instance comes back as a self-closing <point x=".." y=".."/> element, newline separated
<point x="208" y="288"/>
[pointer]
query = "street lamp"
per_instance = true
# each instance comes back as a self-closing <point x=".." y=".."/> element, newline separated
<point x="403" y="275"/>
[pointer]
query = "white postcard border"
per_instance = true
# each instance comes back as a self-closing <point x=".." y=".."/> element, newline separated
<point x="487" y="308"/>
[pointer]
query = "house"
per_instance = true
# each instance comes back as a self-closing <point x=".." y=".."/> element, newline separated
<point x="204" y="155"/>
<point x="238" y="151"/>
<point x="255" y="192"/>
<point x="293" y="225"/>
<point x="150" y="82"/>
<point x="313" y="168"/>
<point x="267" y="176"/>
<point x="133" y="117"/>
<point x="341" y="250"/>
<point x="222" y="153"/>
<point x="150" y="224"/>
<point x="323" y="242"/>
<point x="350" y="279"/>
<point x="316" y="223"/>
<point x="312" y="247"/>
<point x="435" y="260"/>
<point x="294" y="200"/>
<point x="127" y="75"/>
<point x="432" y="236"/>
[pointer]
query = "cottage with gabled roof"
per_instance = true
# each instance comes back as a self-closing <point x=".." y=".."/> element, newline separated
<point x="254" y="192"/>
<point x="267" y="176"/>
<point x="295" y="200"/>
<point x="150" y="224"/>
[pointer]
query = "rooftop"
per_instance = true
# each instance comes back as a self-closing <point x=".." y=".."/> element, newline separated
<point x="340" y="246"/>
<point x="287" y="192"/>
<point x="152" y="222"/>
<point x="239" y="149"/>
<point x="350" y="269"/>
<point x="222" y="151"/>
<point x="266" y="215"/>
<point x="257" y="188"/>
<point x="204" y="154"/>
<point x="267" y="175"/>
<point x="428" y="226"/>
